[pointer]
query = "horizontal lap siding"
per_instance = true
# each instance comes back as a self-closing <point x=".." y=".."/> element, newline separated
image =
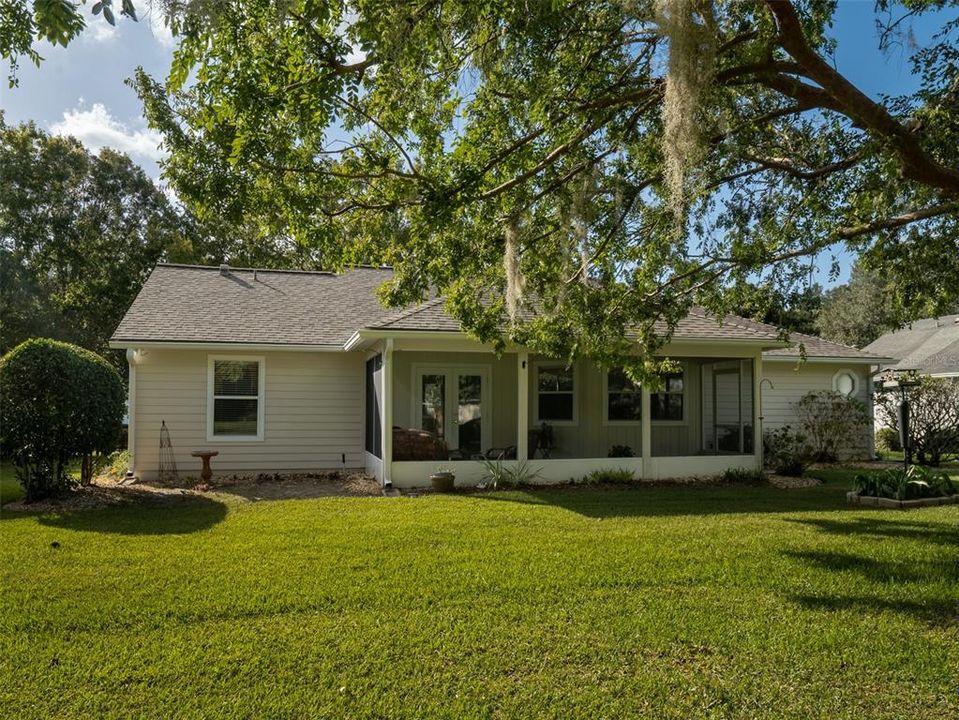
<point x="313" y="413"/>
<point x="791" y="381"/>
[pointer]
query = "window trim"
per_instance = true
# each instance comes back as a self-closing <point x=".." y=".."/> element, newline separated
<point x="536" y="421"/>
<point x="852" y="375"/>
<point x="452" y="370"/>
<point x="684" y="370"/>
<point x="260" y="398"/>
<point x="621" y="423"/>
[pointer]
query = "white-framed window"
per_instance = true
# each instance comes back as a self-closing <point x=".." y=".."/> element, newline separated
<point x="844" y="382"/>
<point x="668" y="405"/>
<point x="555" y="394"/>
<point x="236" y="387"/>
<point x="455" y="403"/>
<point x="624" y="399"/>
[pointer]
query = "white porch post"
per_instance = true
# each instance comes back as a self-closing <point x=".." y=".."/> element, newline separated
<point x="758" y="408"/>
<point x="388" y="412"/>
<point x="522" y="405"/>
<point x="646" y="431"/>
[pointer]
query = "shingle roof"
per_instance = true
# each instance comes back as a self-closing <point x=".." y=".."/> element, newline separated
<point x="930" y="345"/>
<point x="187" y="303"/>
<point x="816" y="347"/>
<point x="190" y="303"/>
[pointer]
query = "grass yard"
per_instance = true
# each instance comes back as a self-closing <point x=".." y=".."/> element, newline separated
<point x="668" y="602"/>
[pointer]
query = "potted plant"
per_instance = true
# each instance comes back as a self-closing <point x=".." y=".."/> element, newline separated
<point x="443" y="480"/>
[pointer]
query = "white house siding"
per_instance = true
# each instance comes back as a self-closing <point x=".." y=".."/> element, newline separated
<point x="314" y="413"/>
<point x="790" y="381"/>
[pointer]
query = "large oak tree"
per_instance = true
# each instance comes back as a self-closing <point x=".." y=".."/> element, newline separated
<point x="605" y="164"/>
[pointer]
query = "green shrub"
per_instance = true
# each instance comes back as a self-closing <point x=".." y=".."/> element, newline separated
<point x="897" y="484"/>
<point x="743" y="476"/>
<point x="887" y="440"/>
<point x="830" y="423"/>
<point x="58" y="402"/>
<point x="619" y="451"/>
<point x="785" y="452"/>
<point x="610" y="476"/>
<point x="499" y="475"/>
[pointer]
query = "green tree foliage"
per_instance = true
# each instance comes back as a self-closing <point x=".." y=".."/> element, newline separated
<point x="858" y="312"/>
<point x="22" y="23"/>
<point x="58" y="402"/>
<point x="478" y="147"/>
<point x="79" y="234"/>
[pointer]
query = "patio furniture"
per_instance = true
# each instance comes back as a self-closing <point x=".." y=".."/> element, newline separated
<point x="415" y="444"/>
<point x="207" y="472"/>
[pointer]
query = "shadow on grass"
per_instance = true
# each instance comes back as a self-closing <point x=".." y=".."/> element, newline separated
<point x="936" y="611"/>
<point x="935" y="532"/>
<point x="659" y="500"/>
<point x="177" y="516"/>
<point x="880" y="571"/>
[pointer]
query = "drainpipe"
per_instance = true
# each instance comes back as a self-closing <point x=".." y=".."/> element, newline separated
<point x="131" y="410"/>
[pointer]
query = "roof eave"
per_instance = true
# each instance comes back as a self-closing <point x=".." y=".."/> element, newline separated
<point x="125" y="343"/>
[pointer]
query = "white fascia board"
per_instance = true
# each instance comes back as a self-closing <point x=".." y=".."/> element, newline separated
<point x="221" y="346"/>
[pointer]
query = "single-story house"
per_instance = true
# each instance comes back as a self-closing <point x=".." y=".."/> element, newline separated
<point x="290" y="371"/>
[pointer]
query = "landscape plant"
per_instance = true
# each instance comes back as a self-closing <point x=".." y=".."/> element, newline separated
<point x="785" y="451"/>
<point x="830" y="421"/>
<point x="610" y="476"/>
<point x="499" y="475"/>
<point x="913" y="483"/>
<point x="58" y="403"/>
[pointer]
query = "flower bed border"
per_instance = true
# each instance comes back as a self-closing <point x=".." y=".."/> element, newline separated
<point x="872" y="501"/>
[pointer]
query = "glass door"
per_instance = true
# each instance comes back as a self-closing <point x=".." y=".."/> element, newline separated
<point x="469" y="413"/>
<point x="454" y="406"/>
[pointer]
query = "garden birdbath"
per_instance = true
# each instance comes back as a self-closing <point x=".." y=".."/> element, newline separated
<point x="207" y="472"/>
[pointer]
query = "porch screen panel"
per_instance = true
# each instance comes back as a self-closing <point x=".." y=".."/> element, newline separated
<point x="374" y="427"/>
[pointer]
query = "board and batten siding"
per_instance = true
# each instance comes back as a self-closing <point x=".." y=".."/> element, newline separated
<point x="790" y="381"/>
<point x="313" y="415"/>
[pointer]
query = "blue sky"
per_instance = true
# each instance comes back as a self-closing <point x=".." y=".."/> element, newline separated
<point x="80" y="90"/>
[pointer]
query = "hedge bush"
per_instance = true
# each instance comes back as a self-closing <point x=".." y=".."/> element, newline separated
<point x="58" y="402"/>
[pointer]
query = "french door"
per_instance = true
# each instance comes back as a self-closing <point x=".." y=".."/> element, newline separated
<point x="453" y="403"/>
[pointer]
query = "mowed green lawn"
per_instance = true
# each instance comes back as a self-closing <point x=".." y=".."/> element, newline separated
<point x="732" y="602"/>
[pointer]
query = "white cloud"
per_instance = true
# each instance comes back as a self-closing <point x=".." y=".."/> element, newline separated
<point x="160" y="29"/>
<point x="98" y="30"/>
<point x="96" y="128"/>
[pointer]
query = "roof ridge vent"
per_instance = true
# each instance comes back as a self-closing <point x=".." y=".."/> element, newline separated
<point x="224" y="269"/>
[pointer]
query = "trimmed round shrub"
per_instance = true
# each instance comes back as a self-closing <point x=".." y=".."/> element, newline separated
<point x="58" y="402"/>
<point x="887" y="440"/>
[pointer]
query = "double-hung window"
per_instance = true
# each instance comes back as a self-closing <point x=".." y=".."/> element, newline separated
<point x="555" y="394"/>
<point x="668" y="404"/>
<point x="235" y="387"/>
<point x="624" y="399"/>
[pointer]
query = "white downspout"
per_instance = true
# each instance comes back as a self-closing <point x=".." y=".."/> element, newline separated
<point x="131" y="410"/>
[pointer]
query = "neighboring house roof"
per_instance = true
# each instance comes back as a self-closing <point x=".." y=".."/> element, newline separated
<point x="930" y="345"/>
<point x="817" y="347"/>
<point x="239" y="306"/>
<point x="189" y="303"/>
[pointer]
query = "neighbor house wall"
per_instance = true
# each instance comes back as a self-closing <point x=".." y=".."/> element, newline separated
<point x="784" y="383"/>
<point x="313" y="413"/>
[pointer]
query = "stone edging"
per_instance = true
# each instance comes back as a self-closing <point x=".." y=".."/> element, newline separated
<point x="869" y="500"/>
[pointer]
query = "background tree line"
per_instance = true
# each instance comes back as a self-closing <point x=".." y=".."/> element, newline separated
<point x="80" y="232"/>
